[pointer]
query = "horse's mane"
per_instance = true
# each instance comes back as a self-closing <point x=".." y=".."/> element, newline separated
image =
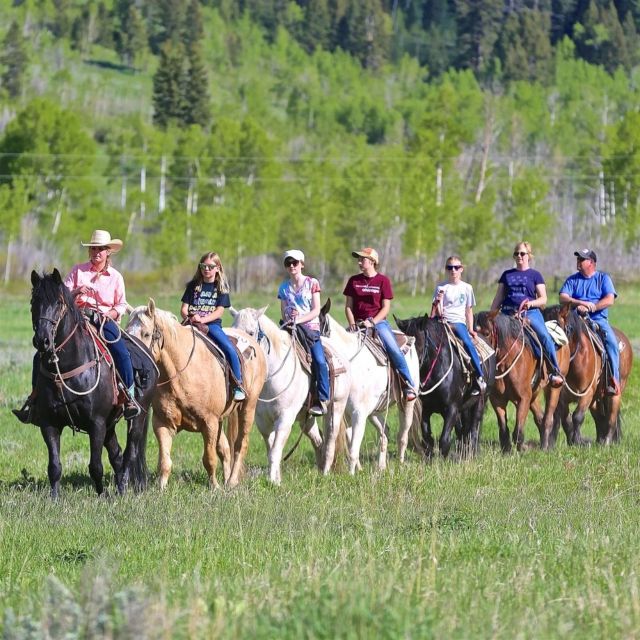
<point x="573" y="325"/>
<point x="432" y="328"/>
<point x="165" y="320"/>
<point x="507" y="327"/>
<point x="50" y="289"/>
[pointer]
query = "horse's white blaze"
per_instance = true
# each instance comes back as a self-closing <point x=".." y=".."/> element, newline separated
<point x="369" y="386"/>
<point x="285" y="391"/>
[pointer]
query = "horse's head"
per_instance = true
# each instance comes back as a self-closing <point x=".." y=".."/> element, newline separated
<point x="415" y="327"/>
<point x="248" y="320"/>
<point x="50" y="302"/>
<point x="485" y="324"/>
<point x="142" y="324"/>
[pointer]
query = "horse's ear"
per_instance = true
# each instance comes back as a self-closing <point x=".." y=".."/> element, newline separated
<point x="564" y="311"/>
<point x="261" y="312"/>
<point x="233" y="312"/>
<point x="492" y="314"/>
<point x="35" y="278"/>
<point x="57" y="278"/>
<point x="151" y="307"/>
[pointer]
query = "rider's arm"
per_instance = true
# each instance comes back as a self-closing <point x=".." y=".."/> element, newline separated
<point x="541" y="297"/>
<point x="383" y="312"/>
<point x="184" y="310"/>
<point x="348" y="312"/>
<point x="603" y="303"/>
<point x="469" y="319"/>
<point x="499" y="297"/>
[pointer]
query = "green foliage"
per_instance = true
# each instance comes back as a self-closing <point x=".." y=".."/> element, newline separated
<point x="14" y="60"/>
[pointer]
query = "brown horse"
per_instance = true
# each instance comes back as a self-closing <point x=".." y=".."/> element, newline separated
<point x="585" y="383"/>
<point x="192" y="392"/>
<point x="520" y="377"/>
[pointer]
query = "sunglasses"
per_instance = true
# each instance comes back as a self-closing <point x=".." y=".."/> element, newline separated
<point x="454" y="267"/>
<point x="208" y="267"/>
<point x="579" y="259"/>
<point x="522" y="254"/>
<point x="291" y="263"/>
<point x="98" y="248"/>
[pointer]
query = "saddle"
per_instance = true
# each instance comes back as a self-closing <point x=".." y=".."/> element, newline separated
<point x="243" y="348"/>
<point x="373" y="343"/>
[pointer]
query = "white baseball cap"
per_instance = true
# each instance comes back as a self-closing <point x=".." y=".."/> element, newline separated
<point x="296" y="254"/>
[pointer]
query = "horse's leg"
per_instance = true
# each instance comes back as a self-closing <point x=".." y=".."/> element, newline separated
<point x="606" y="414"/>
<point x="428" y="442"/>
<point x="164" y="435"/>
<point x="383" y="442"/>
<point x="245" y="417"/>
<point x="225" y="452"/>
<point x="357" y="421"/>
<point x="577" y="418"/>
<point x="523" y="406"/>
<point x="96" y="442"/>
<point x="450" y="418"/>
<point x="500" y="408"/>
<point x="405" y="414"/>
<point x="281" y="431"/>
<point x="210" y="436"/>
<point x="51" y="437"/>
<point x="311" y="429"/>
<point x="114" y="452"/>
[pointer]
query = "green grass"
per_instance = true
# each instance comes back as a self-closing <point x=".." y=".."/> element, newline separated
<point x="527" y="545"/>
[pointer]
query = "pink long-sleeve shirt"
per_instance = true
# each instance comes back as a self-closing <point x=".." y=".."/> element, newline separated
<point x="106" y="288"/>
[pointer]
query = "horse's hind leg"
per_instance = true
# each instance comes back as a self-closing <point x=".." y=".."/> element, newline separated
<point x="51" y="437"/>
<point x="383" y="441"/>
<point x="114" y="451"/>
<point x="450" y="419"/>
<point x="164" y="436"/>
<point x="241" y="443"/>
<point x="500" y="409"/>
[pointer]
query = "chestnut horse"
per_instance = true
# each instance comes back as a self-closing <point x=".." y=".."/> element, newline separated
<point x="192" y="392"/>
<point x="585" y="384"/>
<point x="520" y="377"/>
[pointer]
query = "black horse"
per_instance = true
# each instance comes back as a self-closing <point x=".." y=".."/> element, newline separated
<point x="445" y="388"/>
<point x="75" y="387"/>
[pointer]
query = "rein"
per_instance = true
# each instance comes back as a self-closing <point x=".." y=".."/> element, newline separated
<point x="157" y="334"/>
<point x="595" y="369"/>
<point x="261" y="335"/>
<point x="515" y="360"/>
<point x="433" y="364"/>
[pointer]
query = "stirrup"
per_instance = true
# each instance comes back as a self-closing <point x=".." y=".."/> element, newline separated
<point x="24" y="412"/>
<point x="319" y="408"/>
<point x="238" y="394"/>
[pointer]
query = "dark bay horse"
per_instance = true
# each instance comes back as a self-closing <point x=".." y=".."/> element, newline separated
<point x="75" y="387"/>
<point x="444" y="387"/>
<point x="586" y="382"/>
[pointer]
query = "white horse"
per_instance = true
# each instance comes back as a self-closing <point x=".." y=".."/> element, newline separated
<point x="282" y="400"/>
<point x="371" y="396"/>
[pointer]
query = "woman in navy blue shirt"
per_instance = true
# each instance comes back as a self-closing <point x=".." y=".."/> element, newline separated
<point x="204" y="300"/>
<point x="523" y="289"/>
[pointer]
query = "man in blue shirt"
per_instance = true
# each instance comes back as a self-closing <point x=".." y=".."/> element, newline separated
<point x="592" y="292"/>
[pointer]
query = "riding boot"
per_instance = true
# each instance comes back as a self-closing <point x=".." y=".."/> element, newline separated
<point x="131" y="406"/>
<point x="479" y="387"/>
<point x="24" y="413"/>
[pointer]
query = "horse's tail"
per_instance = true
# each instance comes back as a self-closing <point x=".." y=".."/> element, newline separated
<point x="139" y="472"/>
<point x="341" y="443"/>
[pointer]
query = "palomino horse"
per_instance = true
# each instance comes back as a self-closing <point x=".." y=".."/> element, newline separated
<point x="371" y="395"/>
<point x="445" y="389"/>
<point x="192" y="392"/>
<point x="520" y="377"/>
<point x="586" y="383"/>
<point x="76" y="387"/>
<point x="283" y="398"/>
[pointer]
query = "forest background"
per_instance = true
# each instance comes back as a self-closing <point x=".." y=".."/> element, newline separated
<point x="422" y="128"/>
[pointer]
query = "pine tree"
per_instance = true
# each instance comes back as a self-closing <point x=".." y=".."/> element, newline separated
<point x="131" y="37"/>
<point x="195" y="93"/>
<point x="14" y="60"/>
<point x="168" y="85"/>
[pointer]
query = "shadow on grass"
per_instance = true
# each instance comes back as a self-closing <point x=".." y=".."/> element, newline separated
<point x="73" y="481"/>
<point x="112" y="66"/>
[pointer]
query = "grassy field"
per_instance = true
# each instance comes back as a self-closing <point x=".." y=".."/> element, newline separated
<point x="527" y="545"/>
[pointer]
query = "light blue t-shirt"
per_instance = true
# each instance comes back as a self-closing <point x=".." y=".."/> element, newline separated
<point x="591" y="289"/>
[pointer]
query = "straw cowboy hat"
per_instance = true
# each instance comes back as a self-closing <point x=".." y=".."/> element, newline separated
<point x="101" y="238"/>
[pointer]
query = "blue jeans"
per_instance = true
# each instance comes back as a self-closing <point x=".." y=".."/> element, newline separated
<point x="397" y="359"/>
<point x="222" y="341"/>
<point x="460" y="329"/>
<point x="117" y="349"/>
<point x="320" y="368"/>
<point x="536" y="321"/>
<point x="611" y="346"/>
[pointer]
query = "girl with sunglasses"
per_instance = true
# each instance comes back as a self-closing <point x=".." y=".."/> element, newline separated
<point x="299" y="297"/>
<point x="522" y="289"/>
<point x="453" y="301"/>
<point x="204" y="300"/>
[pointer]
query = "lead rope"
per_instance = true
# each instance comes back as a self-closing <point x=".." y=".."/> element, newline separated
<point x="193" y="348"/>
<point x="595" y="369"/>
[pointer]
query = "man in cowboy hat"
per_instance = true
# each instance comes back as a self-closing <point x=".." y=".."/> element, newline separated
<point x="592" y="292"/>
<point x="368" y="300"/>
<point x="98" y="289"/>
